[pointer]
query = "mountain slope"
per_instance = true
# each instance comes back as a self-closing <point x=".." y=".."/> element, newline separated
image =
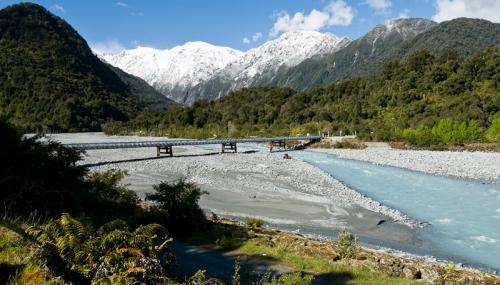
<point x="394" y="40"/>
<point x="139" y="88"/>
<point x="362" y="56"/>
<point x="466" y="36"/>
<point x="260" y="64"/>
<point x="174" y="71"/>
<point x="51" y="77"/>
<point x="421" y="89"/>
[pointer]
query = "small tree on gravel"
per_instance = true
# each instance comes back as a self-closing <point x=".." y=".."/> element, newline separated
<point x="346" y="245"/>
<point x="178" y="205"/>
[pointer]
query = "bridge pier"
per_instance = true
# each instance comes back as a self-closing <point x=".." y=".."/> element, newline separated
<point x="228" y="146"/>
<point x="164" y="150"/>
<point x="277" y="143"/>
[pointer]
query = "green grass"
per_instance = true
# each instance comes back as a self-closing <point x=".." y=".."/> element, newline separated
<point x="13" y="249"/>
<point x="16" y="261"/>
<point x="254" y="222"/>
<point x="321" y="266"/>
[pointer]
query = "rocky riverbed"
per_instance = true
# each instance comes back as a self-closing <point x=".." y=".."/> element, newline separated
<point x="286" y="192"/>
<point x="463" y="164"/>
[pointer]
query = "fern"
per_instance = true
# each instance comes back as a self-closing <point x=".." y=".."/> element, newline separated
<point x="72" y="226"/>
<point x="152" y="230"/>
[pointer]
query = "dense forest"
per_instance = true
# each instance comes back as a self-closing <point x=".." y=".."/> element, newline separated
<point x="420" y="90"/>
<point x="50" y="79"/>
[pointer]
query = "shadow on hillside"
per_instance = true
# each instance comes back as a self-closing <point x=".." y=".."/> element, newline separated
<point x="8" y="271"/>
<point x="336" y="278"/>
<point x="218" y="263"/>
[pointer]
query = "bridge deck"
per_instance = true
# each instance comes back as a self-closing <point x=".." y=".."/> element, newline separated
<point x="170" y="143"/>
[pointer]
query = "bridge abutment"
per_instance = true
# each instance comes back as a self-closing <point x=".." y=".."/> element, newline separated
<point x="228" y="147"/>
<point x="277" y="143"/>
<point x="164" y="150"/>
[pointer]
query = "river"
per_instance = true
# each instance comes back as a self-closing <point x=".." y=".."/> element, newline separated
<point x="463" y="216"/>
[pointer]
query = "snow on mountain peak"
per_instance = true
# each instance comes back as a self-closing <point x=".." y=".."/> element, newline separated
<point x="181" y="66"/>
<point x="289" y="49"/>
<point x="175" y="70"/>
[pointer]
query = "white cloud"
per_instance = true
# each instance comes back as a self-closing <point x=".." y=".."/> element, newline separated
<point x="483" y="9"/>
<point x="246" y="40"/>
<point x="57" y="7"/>
<point x="404" y="14"/>
<point x="110" y="47"/>
<point x="121" y="4"/>
<point x="380" y="6"/>
<point x="256" y="36"/>
<point x="338" y="13"/>
<point x="341" y="14"/>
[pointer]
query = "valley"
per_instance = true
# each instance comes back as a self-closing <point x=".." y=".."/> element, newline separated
<point x="390" y="173"/>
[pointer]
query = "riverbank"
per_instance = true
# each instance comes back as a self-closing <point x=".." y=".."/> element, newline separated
<point x="288" y="193"/>
<point x="283" y="250"/>
<point x="463" y="164"/>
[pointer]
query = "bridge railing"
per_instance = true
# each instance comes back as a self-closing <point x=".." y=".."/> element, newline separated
<point x="170" y="143"/>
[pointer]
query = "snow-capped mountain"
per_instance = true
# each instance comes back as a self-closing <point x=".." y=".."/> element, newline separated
<point x="199" y="70"/>
<point x="288" y="50"/>
<point x="259" y="65"/>
<point x="185" y="71"/>
<point x="362" y="57"/>
<point x="403" y="29"/>
<point x="174" y="70"/>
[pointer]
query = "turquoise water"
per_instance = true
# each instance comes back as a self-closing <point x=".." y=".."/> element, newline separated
<point x="464" y="215"/>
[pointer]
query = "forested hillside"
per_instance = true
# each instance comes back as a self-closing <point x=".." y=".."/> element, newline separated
<point x="49" y="76"/>
<point x="394" y="40"/>
<point x="420" y="90"/>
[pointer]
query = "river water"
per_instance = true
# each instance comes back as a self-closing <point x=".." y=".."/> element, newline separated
<point x="463" y="215"/>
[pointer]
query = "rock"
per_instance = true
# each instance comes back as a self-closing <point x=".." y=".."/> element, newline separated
<point x="412" y="273"/>
<point x="430" y="275"/>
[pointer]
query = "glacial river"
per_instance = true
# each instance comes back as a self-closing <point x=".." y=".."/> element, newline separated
<point x="463" y="215"/>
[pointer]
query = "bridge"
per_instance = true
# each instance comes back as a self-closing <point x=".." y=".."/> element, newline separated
<point x="166" y="147"/>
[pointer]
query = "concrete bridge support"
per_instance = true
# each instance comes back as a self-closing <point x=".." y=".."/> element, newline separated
<point x="164" y="150"/>
<point x="277" y="143"/>
<point x="228" y="147"/>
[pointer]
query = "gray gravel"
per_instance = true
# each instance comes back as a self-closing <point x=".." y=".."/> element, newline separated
<point x="463" y="164"/>
<point x="259" y="184"/>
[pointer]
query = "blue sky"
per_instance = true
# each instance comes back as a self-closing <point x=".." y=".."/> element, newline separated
<point x="114" y="25"/>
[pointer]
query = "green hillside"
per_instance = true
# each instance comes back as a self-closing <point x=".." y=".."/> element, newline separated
<point x="420" y="90"/>
<point x="50" y="77"/>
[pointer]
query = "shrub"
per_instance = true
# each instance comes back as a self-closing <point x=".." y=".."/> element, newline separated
<point x="178" y="205"/>
<point x="493" y="132"/>
<point x="113" y="254"/>
<point x="37" y="176"/>
<point x="350" y="143"/>
<point x="445" y="132"/>
<point x="346" y="244"/>
<point x="254" y="222"/>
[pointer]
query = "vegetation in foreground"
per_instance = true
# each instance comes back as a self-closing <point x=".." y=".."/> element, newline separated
<point x="423" y="99"/>
<point x="63" y="225"/>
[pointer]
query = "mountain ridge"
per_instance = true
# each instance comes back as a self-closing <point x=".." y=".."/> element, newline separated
<point x="223" y="63"/>
<point x="327" y="58"/>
